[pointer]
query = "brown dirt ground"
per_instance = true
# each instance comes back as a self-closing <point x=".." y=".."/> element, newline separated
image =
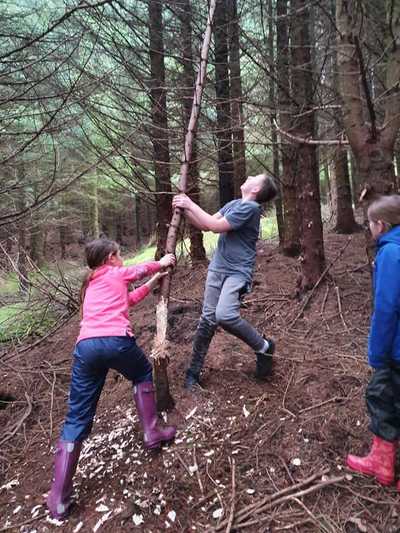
<point x="249" y="440"/>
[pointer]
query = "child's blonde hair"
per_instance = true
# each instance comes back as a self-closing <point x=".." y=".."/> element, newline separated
<point x="386" y="209"/>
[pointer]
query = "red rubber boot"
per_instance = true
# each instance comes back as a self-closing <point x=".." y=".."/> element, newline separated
<point x="379" y="463"/>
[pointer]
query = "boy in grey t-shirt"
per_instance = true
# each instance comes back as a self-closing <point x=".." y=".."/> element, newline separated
<point x="230" y="272"/>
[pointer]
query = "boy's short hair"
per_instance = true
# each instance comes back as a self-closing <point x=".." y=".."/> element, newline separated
<point x="268" y="190"/>
<point x="386" y="209"/>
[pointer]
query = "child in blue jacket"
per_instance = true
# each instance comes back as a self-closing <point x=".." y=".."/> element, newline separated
<point x="383" y="391"/>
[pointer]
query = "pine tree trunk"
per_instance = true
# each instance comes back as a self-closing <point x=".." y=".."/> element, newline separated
<point x="36" y="236"/>
<point x="373" y="146"/>
<point x="340" y="186"/>
<point x="274" y="136"/>
<point x="236" y="94"/>
<point x="341" y="193"/>
<point x="9" y="244"/>
<point x="309" y="203"/>
<point x="21" y="263"/>
<point x="119" y="230"/>
<point x="95" y="223"/>
<point x="36" y="242"/>
<point x="222" y="90"/>
<point x="62" y="232"/>
<point x="324" y="185"/>
<point x="23" y="280"/>
<point x="355" y="183"/>
<point x="149" y="223"/>
<point x="62" y="229"/>
<point x="197" y="250"/>
<point x="159" y="131"/>
<point x="291" y="229"/>
<point x="138" y="221"/>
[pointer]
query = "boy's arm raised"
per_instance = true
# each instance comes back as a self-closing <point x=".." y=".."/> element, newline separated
<point x="199" y="218"/>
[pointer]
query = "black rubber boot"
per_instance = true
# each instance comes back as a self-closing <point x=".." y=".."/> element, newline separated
<point x="264" y="361"/>
<point x="204" y="334"/>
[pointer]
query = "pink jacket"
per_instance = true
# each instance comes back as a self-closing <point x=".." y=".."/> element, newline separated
<point x="105" y="306"/>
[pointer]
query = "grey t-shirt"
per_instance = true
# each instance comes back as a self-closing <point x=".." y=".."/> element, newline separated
<point x="236" y="249"/>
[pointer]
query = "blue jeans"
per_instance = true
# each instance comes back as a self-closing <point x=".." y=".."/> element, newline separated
<point x="92" y="359"/>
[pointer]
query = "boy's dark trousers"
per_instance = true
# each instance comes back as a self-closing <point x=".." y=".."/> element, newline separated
<point x="383" y="402"/>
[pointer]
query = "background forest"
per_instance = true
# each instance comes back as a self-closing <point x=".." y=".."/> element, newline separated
<point x="95" y="100"/>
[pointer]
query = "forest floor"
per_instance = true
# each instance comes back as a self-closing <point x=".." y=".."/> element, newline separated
<point x="248" y="456"/>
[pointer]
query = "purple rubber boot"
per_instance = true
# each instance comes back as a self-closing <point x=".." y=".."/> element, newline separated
<point x="59" y="498"/>
<point x="145" y="399"/>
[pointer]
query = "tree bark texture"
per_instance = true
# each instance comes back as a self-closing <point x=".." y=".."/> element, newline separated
<point x="372" y="144"/>
<point x="36" y="231"/>
<point x="309" y="203"/>
<point x="341" y="193"/>
<point x="36" y="242"/>
<point x="291" y="229"/>
<point x="94" y="207"/>
<point x="197" y="250"/>
<point x="273" y="117"/>
<point x="22" y="270"/>
<point x="236" y="97"/>
<point x="222" y="90"/>
<point x="342" y="201"/>
<point x="138" y="221"/>
<point x="159" y="130"/>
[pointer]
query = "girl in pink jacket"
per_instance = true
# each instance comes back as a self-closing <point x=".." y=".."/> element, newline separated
<point x="106" y="341"/>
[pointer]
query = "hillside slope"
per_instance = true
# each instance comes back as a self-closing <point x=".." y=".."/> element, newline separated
<point x="240" y="444"/>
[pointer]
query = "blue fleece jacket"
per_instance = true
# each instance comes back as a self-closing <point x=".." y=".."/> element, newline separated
<point x="384" y="335"/>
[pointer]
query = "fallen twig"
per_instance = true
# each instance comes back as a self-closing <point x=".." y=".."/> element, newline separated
<point x="51" y="408"/>
<point x="277" y="496"/>
<point x="287" y="388"/>
<point x="368" y="498"/>
<point x="340" y="308"/>
<point x="233" y="502"/>
<point x="289" y="497"/>
<point x="19" y="423"/>
<point x="307" y="510"/>
<point x="20" y="524"/>
<point x="292" y="527"/>
<point x="320" y="404"/>
<point x="197" y="471"/>
<point x="183" y="463"/>
<point x="325" y="300"/>
<point x="212" y="492"/>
